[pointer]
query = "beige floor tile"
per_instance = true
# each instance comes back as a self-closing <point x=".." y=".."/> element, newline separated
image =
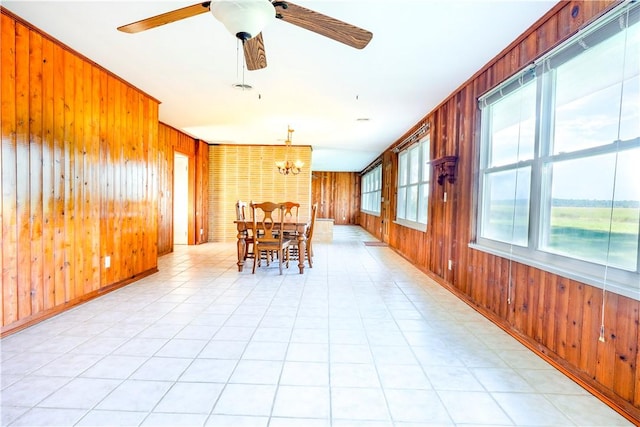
<point x="362" y="339"/>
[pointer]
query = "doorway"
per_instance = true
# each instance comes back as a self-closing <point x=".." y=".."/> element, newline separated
<point x="180" y="199"/>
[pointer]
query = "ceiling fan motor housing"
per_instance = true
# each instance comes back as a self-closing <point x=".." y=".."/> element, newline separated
<point x="243" y="18"/>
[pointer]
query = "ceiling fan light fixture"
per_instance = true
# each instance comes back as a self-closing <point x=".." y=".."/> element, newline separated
<point x="244" y="19"/>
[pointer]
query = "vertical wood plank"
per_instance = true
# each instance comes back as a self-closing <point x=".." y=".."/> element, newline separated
<point x="69" y="180"/>
<point x="79" y="168"/>
<point x="164" y="245"/>
<point x="92" y="176"/>
<point x="574" y="322"/>
<point x="104" y="178"/>
<point x="605" y="372"/>
<point x="520" y="306"/>
<point x="532" y="288"/>
<point x="492" y="288"/>
<point x="132" y="181"/>
<point x="549" y="309"/>
<point x="204" y="155"/>
<point x="123" y="182"/>
<point x="488" y="292"/>
<point x="9" y="172"/>
<point x="127" y="184"/>
<point x="589" y="332"/>
<point x="170" y="190"/>
<point x="22" y="181"/>
<point x="119" y="165"/>
<point x="626" y="348"/>
<point x="191" y="190"/>
<point x="563" y="23"/>
<point x="153" y="180"/>
<point x="111" y="186"/>
<point x="142" y="173"/>
<point x="36" y="173"/>
<point x="59" y="178"/>
<point x="562" y="316"/>
<point x="48" y="176"/>
<point x="539" y="296"/>
<point x="547" y="35"/>
<point x="132" y="175"/>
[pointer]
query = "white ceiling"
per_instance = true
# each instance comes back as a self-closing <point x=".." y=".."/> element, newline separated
<point x="421" y="51"/>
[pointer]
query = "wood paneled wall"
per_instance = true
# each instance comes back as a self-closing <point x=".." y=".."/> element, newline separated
<point x="248" y="172"/>
<point x="166" y="142"/>
<point x="202" y="193"/>
<point x="171" y="140"/>
<point x="79" y="177"/>
<point x="557" y="317"/>
<point x="337" y="195"/>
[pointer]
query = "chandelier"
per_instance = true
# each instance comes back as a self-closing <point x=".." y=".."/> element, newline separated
<point x="287" y="167"/>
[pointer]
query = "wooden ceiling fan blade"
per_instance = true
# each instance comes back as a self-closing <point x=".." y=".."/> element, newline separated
<point x="166" y="18"/>
<point x="254" y="54"/>
<point x="325" y="25"/>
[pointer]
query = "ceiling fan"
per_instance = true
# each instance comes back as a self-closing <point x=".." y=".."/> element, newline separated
<point x="245" y="19"/>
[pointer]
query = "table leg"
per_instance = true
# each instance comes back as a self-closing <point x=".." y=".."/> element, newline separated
<point x="302" y="247"/>
<point x="242" y="249"/>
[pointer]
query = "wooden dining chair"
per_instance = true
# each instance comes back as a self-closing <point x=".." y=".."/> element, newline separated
<point x="308" y="238"/>
<point x="291" y="214"/>
<point x="291" y="211"/>
<point x="268" y="219"/>
<point x="248" y="233"/>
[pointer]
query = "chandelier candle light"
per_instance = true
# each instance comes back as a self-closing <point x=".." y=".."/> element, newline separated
<point x="287" y="167"/>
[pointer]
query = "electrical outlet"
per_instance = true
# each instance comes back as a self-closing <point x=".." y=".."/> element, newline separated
<point x="450" y="264"/>
<point x="107" y="261"/>
<point x="201" y="231"/>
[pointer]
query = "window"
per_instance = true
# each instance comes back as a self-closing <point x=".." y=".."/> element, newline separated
<point x="559" y="181"/>
<point x="414" y="174"/>
<point x="371" y="191"/>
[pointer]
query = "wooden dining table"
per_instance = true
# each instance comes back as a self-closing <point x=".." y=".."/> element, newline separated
<point x="300" y="227"/>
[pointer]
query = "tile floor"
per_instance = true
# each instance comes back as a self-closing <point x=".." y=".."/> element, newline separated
<point x="361" y="339"/>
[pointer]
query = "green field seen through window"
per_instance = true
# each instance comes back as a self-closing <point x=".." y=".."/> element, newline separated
<point x="581" y="232"/>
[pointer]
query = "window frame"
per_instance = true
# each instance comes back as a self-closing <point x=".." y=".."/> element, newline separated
<point x="422" y="182"/>
<point x="536" y="253"/>
<point x="371" y="191"/>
